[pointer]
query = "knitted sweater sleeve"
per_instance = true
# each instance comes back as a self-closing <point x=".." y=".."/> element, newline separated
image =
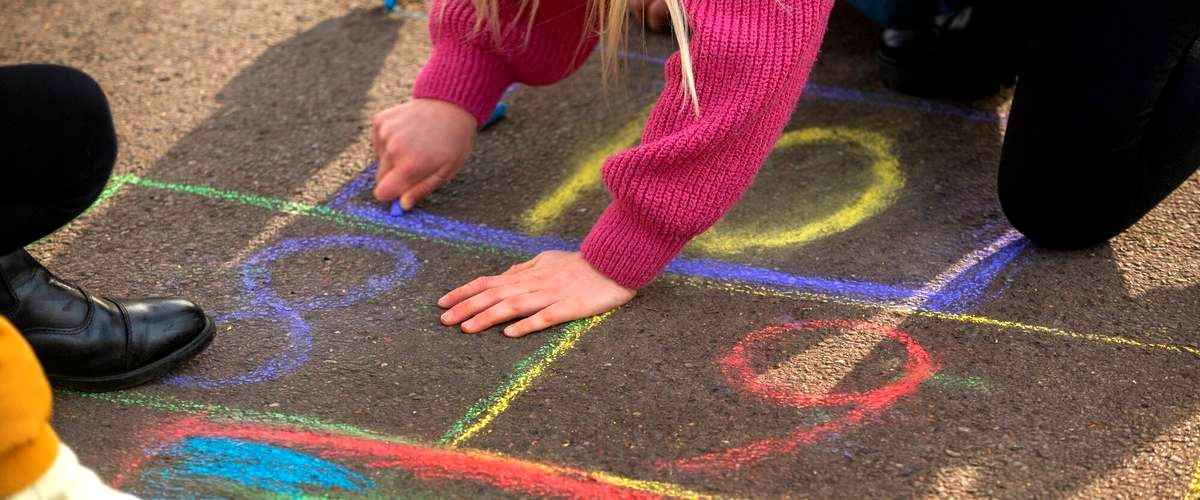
<point x="751" y="61"/>
<point x="471" y="68"/>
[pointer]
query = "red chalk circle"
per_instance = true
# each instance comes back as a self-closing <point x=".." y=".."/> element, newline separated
<point x="736" y="365"/>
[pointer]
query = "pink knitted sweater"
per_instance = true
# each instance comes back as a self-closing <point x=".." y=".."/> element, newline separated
<point x="751" y="59"/>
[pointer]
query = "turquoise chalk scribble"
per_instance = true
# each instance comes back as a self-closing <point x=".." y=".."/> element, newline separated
<point x="260" y="467"/>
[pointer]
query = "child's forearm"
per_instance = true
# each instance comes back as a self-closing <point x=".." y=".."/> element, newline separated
<point x="752" y="58"/>
<point x="471" y="70"/>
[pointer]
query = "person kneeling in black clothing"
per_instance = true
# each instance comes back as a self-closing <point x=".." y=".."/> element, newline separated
<point x="58" y="146"/>
<point x="1105" y="118"/>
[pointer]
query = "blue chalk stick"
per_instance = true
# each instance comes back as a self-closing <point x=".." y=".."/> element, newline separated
<point x="396" y="210"/>
<point x="390" y="5"/>
<point x="497" y="114"/>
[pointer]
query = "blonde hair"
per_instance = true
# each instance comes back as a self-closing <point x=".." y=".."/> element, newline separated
<point x="610" y="19"/>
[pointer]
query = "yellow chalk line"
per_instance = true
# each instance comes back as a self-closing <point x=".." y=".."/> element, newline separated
<point x="527" y="370"/>
<point x="655" y="487"/>
<point x="585" y="177"/>
<point x="664" y="489"/>
<point x="962" y="318"/>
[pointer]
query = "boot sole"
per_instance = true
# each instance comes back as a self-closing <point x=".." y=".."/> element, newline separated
<point x="152" y="371"/>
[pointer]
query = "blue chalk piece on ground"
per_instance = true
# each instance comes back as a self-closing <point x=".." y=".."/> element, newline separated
<point x="390" y="5"/>
<point x="396" y="209"/>
<point x="497" y="114"/>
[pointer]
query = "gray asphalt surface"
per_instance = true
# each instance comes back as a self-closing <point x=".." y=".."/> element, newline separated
<point x="961" y="362"/>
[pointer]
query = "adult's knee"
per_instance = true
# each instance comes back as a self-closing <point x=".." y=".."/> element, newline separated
<point x="88" y="133"/>
<point x="1057" y="216"/>
<point x="63" y="141"/>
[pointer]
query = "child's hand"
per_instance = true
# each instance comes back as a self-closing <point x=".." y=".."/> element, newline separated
<point x="421" y="144"/>
<point x="554" y="287"/>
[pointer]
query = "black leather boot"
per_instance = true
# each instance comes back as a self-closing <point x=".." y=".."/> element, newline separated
<point x="965" y="54"/>
<point x="93" y="343"/>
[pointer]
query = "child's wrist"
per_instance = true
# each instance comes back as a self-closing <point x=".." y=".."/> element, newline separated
<point x="466" y="76"/>
<point x="448" y="110"/>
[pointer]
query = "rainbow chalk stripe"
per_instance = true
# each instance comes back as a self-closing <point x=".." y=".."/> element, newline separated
<point x="271" y="432"/>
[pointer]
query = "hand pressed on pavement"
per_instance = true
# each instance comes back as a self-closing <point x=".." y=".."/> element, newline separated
<point x="554" y="287"/>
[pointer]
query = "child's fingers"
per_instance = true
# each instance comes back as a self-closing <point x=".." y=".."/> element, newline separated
<point x="517" y="306"/>
<point x="415" y="194"/>
<point x="476" y="286"/>
<point x="481" y="301"/>
<point x="381" y="129"/>
<point x="556" y="313"/>
<point x="394" y="183"/>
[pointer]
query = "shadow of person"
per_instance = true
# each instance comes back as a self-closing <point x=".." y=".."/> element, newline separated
<point x="290" y="112"/>
<point x="293" y="110"/>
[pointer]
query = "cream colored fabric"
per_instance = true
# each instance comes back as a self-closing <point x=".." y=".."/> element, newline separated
<point x="68" y="480"/>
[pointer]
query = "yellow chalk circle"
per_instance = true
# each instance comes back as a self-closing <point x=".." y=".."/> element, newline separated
<point x="585" y="177"/>
<point x="886" y="182"/>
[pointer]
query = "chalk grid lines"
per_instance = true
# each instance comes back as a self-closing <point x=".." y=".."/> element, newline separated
<point x="525" y="372"/>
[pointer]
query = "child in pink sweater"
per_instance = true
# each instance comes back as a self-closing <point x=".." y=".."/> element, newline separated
<point x="698" y="154"/>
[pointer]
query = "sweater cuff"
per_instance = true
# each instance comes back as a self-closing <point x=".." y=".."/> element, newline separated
<point x="621" y="247"/>
<point x="465" y="76"/>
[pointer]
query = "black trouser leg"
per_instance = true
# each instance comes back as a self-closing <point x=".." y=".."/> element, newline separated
<point x="1105" y="122"/>
<point x="57" y="148"/>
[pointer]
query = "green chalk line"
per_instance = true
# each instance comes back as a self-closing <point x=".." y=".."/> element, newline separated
<point x="114" y="186"/>
<point x="306" y="209"/>
<point x="220" y="412"/>
<point x="524" y="372"/>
